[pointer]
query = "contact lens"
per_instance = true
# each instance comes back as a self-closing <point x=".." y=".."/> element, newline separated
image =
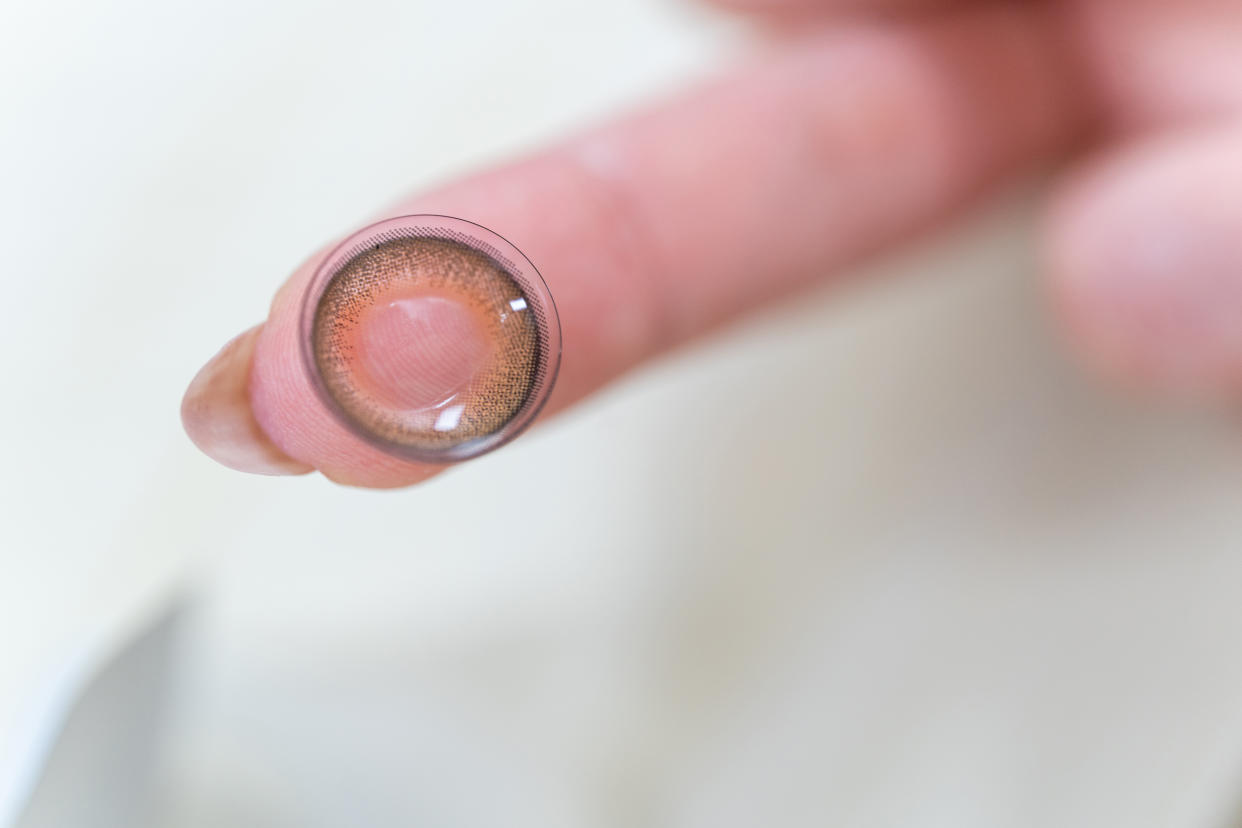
<point x="431" y="337"/>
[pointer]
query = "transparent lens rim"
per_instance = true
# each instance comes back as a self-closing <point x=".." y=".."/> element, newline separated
<point x="509" y="259"/>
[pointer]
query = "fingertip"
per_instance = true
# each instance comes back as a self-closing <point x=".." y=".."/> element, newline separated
<point x="1145" y="260"/>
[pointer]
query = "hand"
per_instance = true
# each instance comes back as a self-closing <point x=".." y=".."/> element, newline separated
<point x="859" y="127"/>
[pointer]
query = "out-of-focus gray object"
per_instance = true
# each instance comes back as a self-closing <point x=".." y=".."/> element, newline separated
<point x="102" y="767"/>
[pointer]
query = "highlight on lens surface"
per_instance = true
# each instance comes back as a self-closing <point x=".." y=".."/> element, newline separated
<point x="430" y="337"/>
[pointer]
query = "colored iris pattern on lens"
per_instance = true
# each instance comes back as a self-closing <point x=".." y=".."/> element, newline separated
<point x="431" y="337"/>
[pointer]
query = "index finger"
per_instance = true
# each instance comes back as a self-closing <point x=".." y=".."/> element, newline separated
<point x="657" y="228"/>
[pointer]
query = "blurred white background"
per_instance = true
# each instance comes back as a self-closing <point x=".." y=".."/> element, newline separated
<point x="887" y="559"/>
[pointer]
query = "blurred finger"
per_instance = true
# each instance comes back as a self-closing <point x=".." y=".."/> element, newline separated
<point x="784" y="8"/>
<point x="1146" y="254"/>
<point x="655" y="229"/>
<point x="1158" y="62"/>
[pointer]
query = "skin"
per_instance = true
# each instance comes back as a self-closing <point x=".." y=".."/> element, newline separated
<point x="866" y="121"/>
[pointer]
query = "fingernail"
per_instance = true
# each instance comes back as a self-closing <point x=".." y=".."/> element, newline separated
<point x="217" y="416"/>
<point x="1153" y="274"/>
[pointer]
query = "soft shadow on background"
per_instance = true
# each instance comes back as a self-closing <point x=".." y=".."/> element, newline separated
<point x="883" y="559"/>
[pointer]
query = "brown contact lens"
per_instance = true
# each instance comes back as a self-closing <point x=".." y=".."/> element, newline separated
<point x="431" y="337"/>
